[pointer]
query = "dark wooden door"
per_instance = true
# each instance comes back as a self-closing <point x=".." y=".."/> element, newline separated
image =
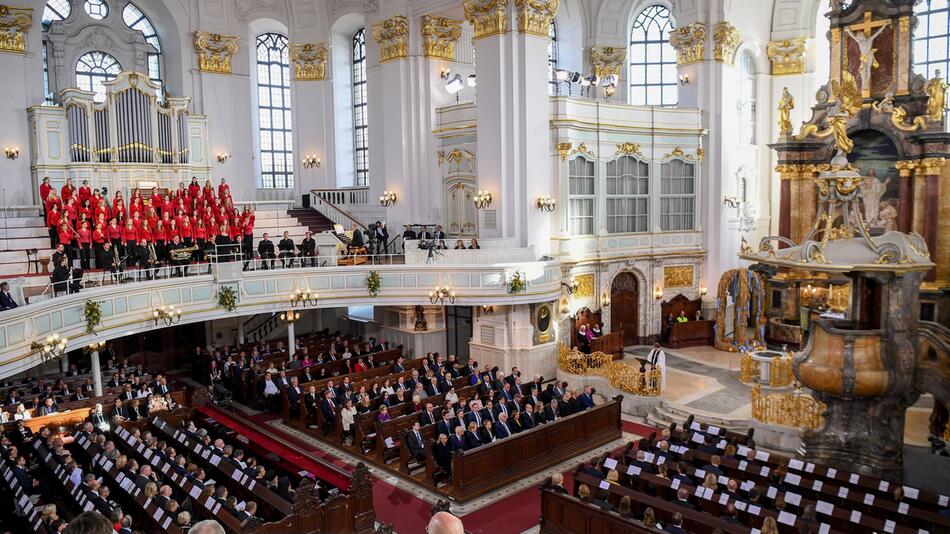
<point x="624" y="307"/>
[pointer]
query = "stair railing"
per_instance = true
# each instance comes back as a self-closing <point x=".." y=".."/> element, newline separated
<point x="331" y="202"/>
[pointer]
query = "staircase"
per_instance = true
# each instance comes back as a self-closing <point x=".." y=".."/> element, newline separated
<point x="312" y="219"/>
<point x="666" y="413"/>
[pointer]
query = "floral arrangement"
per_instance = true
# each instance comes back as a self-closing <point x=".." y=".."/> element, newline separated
<point x="227" y="298"/>
<point x="93" y="312"/>
<point x="518" y="283"/>
<point x="373" y="283"/>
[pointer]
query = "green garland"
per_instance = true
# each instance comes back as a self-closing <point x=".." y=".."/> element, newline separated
<point x="227" y="298"/>
<point x="93" y="312"/>
<point x="373" y="283"/>
<point x="518" y="283"/>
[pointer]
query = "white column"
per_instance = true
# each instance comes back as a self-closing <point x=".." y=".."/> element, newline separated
<point x="64" y="363"/>
<point x="240" y="330"/>
<point x="96" y="373"/>
<point x="290" y="339"/>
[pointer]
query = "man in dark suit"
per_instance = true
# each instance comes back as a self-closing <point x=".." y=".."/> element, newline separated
<point x="442" y="453"/>
<point x="265" y="249"/>
<point x="552" y="412"/>
<point x="311" y="401"/>
<point x="472" y="439"/>
<point x="415" y="443"/>
<point x="457" y="441"/>
<point x="49" y="407"/>
<point x="502" y="430"/>
<point x="308" y="251"/>
<point x="502" y="407"/>
<point x="447" y="424"/>
<point x="286" y="247"/>
<point x="587" y="398"/>
<point x="306" y="376"/>
<point x="329" y="411"/>
<point x="474" y="416"/>
<point x="676" y="524"/>
<point x="557" y="483"/>
<point x="682" y="499"/>
<point x="428" y="416"/>
<point x="714" y="466"/>
<point x="602" y="501"/>
<point x="6" y="299"/>
<point x="293" y="394"/>
<point x="398" y="367"/>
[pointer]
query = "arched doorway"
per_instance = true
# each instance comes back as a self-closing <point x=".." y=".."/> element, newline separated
<point x="625" y="309"/>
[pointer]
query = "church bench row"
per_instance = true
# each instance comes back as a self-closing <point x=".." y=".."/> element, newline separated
<point x="114" y="391"/>
<point x="31" y="382"/>
<point x="23" y="508"/>
<point x="249" y="390"/>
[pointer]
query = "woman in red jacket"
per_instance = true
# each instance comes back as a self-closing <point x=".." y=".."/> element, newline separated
<point x="161" y="237"/>
<point x="53" y="198"/>
<point x="84" y="237"/>
<point x="129" y="236"/>
<point x="99" y="237"/>
<point x="144" y="232"/>
<point x="208" y="191"/>
<point x="118" y="208"/>
<point x="52" y="222"/>
<point x="200" y="233"/>
<point x="71" y="210"/>
<point x="194" y="189"/>
<point x="85" y="209"/>
<point x="187" y="236"/>
<point x="114" y="234"/>
<point x="172" y="230"/>
<point x="247" y="219"/>
<point x="68" y="238"/>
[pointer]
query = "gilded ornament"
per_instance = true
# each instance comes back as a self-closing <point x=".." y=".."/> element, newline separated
<point x="690" y="43"/>
<point x="564" y="150"/>
<point x="14" y="24"/>
<point x="787" y="56"/>
<point x="785" y="107"/>
<point x="439" y="36"/>
<point x="488" y="17"/>
<point x="795" y="409"/>
<point x="744" y="247"/>
<point x="583" y="150"/>
<point x="607" y="60"/>
<point x="678" y="276"/>
<point x="392" y="36"/>
<point x="585" y="285"/>
<point x="309" y="60"/>
<point x="847" y="93"/>
<point x="700" y="152"/>
<point x="215" y="51"/>
<point x="629" y="149"/>
<point x="627" y="378"/>
<point x="931" y="166"/>
<point x="534" y="16"/>
<point x="726" y="39"/>
<point x="678" y="153"/>
<point x="936" y="97"/>
<point x="898" y="114"/>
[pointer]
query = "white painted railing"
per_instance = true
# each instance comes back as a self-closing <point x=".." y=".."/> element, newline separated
<point x="491" y="251"/>
<point x="333" y="204"/>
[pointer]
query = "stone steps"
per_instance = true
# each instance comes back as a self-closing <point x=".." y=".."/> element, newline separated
<point x="666" y="413"/>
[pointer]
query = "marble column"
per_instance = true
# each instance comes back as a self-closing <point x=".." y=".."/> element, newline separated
<point x="291" y="342"/>
<point x="64" y="363"/>
<point x="96" y="373"/>
<point x="240" y="330"/>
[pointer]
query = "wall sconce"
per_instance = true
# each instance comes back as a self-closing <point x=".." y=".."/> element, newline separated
<point x="445" y="72"/>
<point x="571" y="286"/>
<point x="441" y="294"/>
<point x="304" y="297"/>
<point x="167" y="314"/>
<point x="50" y="348"/>
<point x="605" y="300"/>
<point x="731" y="201"/>
<point x="488" y="309"/>
<point x="658" y="293"/>
<point x="609" y="90"/>
<point x="223" y="157"/>
<point x="703" y="291"/>
<point x="684" y="79"/>
<point x="472" y="81"/>
<point x="96" y="346"/>
<point x="290" y="317"/>
<point x="311" y="161"/>
<point x="12" y="152"/>
<point x="482" y="199"/>
<point x="547" y="203"/>
<point x="388" y="199"/>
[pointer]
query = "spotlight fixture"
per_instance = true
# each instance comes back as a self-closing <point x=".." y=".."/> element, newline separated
<point x="289" y="317"/>
<point x="571" y="286"/>
<point x="657" y="293"/>
<point x="605" y="300"/>
<point x="562" y="75"/>
<point x="731" y="201"/>
<point x="50" y="348"/>
<point x="388" y="199"/>
<point x="488" y="309"/>
<point x="547" y="203"/>
<point x="585" y="82"/>
<point x="304" y="297"/>
<point x="454" y="85"/>
<point x="576" y="77"/>
<point x="167" y="314"/>
<point x="482" y="199"/>
<point x="684" y="79"/>
<point x="12" y="152"/>
<point x="223" y="157"/>
<point x="442" y="294"/>
<point x="311" y="161"/>
<point x="471" y="80"/>
<point x="444" y="73"/>
<point x="703" y="291"/>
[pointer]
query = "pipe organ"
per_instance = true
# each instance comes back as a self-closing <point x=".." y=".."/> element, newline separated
<point x="129" y="140"/>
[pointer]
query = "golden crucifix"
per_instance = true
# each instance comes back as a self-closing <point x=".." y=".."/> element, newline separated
<point x="865" y="39"/>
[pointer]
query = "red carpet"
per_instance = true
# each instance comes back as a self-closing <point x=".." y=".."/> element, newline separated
<point x="638" y="429"/>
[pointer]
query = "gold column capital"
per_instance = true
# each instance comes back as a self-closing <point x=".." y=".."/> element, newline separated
<point x="690" y="43"/>
<point x="488" y="17"/>
<point x="392" y="36"/>
<point x="726" y="40"/>
<point x="534" y="16"/>
<point x="788" y="55"/>
<point x="439" y="35"/>
<point x="930" y="166"/>
<point x="14" y="24"/>
<point x="906" y="168"/>
<point x="215" y="51"/>
<point x="607" y="60"/>
<point x="309" y="60"/>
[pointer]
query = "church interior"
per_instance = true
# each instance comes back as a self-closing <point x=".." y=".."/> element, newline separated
<point x="475" y="266"/>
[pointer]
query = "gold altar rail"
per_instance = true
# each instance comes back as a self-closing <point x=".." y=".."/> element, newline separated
<point x="624" y="377"/>
<point x="780" y="375"/>
<point x="795" y="408"/>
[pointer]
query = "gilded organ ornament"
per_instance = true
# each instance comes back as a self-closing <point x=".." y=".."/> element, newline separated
<point x="309" y="60"/>
<point x="14" y="24"/>
<point x="787" y="56"/>
<point x="215" y="51"/>
<point x="488" y="17"/>
<point x="690" y="43"/>
<point x="535" y="16"/>
<point x="607" y="60"/>
<point x="726" y="39"/>
<point x="439" y="36"/>
<point x="392" y="36"/>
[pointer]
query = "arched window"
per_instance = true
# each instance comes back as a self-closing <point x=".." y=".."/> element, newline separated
<point x="580" y="178"/>
<point x="652" y="59"/>
<point x="745" y="98"/>
<point x="932" y="38"/>
<point x="552" y="59"/>
<point x="628" y="195"/>
<point x="97" y="9"/>
<point x="360" y="119"/>
<point x="94" y="68"/>
<point x="273" y="109"/>
<point x="135" y="19"/>
<point x="55" y="10"/>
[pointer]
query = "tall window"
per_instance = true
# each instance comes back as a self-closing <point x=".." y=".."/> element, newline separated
<point x="932" y="39"/>
<point x="552" y="59"/>
<point x="360" y="119"/>
<point x="94" y="68"/>
<point x="273" y="109"/>
<point x="745" y="98"/>
<point x="55" y="10"/>
<point x="628" y="195"/>
<point x="581" y="196"/>
<point x="652" y="59"/>
<point x="677" y="196"/>
<point x="135" y="19"/>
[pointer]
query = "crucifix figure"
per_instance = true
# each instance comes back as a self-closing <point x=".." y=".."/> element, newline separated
<point x="864" y="38"/>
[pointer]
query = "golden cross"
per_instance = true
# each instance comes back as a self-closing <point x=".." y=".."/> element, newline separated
<point x="868" y="25"/>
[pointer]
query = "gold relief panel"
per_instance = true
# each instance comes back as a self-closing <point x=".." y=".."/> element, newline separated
<point x="564" y="149"/>
<point x="726" y="39"/>
<point x="629" y="149"/>
<point x="215" y="51"/>
<point x="690" y="43"/>
<point x="585" y="286"/>
<point x="787" y="56"/>
<point x="14" y="24"/>
<point x="607" y="60"/>
<point x="488" y="17"/>
<point x="439" y="35"/>
<point x="392" y="36"/>
<point x="309" y="60"/>
<point x="535" y="16"/>
<point x="678" y="276"/>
